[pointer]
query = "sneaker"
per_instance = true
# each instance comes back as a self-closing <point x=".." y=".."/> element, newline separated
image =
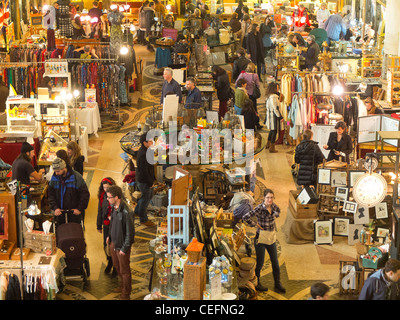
<point x="148" y="223"/>
<point x="279" y="289"/>
<point x="260" y="287"/>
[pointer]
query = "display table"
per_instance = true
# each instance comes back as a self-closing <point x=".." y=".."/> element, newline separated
<point x="88" y="117"/>
<point x="298" y="231"/>
<point x="33" y="266"/>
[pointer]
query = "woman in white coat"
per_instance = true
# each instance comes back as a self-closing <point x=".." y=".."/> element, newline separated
<point x="273" y="116"/>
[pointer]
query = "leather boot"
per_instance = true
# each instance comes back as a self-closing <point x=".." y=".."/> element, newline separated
<point x="260" y="287"/>
<point x="272" y="148"/>
<point x="279" y="288"/>
<point x="268" y="145"/>
<point x="109" y="265"/>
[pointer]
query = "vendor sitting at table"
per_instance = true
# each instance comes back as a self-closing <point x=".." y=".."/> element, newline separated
<point x="371" y="107"/>
<point x="86" y="52"/>
<point x="22" y="169"/>
<point x="193" y="98"/>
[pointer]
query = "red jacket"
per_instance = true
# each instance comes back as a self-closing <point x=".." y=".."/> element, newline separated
<point x="297" y="18"/>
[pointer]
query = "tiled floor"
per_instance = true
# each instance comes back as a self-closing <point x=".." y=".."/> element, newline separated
<point x="301" y="265"/>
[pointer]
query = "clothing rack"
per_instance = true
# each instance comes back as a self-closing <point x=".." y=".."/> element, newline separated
<point x="94" y="43"/>
<point x="325" y="93"/>
<point x="90" y="60"/>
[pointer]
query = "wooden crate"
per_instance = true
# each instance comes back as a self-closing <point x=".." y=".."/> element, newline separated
<point x="40" y="242"/>
<point x="194" y="280"/>
<point x="7" y="255"/>
<point x="302" y="211"/>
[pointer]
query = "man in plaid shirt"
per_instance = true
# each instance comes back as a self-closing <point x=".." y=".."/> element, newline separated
<point x="265" y="214"/>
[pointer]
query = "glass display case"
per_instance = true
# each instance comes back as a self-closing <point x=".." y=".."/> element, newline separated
<point x="52" y="142"/>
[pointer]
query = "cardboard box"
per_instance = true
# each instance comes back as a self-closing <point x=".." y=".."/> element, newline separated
<point x="302" y="211"/>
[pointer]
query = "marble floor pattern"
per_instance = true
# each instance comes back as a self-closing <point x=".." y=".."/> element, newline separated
<point x="301" y="265"/>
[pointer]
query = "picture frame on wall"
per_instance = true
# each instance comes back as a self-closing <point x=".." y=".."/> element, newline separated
<point x="381" y="211"/>
<point x="350" y="206"/>
<point x="341" y="194"/>
<point x="353" y="176"/>
<point x="324" y="176"/>
<point x="354" y="234"/>
<point x="339" y="179"/>
<point x="382" y="232"/>
<point x="361" y="216"/>
<point x="341" y="226"/>
<point x="323" y="232"/>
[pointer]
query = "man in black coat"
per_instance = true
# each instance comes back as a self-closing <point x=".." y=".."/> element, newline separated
<point x="309" y="156"/>
<point x="240" y="64"/>
<point x="312" y="52"/>
<point x="145" y="178"/>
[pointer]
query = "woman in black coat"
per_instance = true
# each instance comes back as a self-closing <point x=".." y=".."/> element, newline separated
<point x="104" y="217"/>
<point x="255" y="47"/>
<point x="309" y="156"/>
<point x="223" y="88"/>
<point x="339" y="143"/>
<point x="250" y="116"/>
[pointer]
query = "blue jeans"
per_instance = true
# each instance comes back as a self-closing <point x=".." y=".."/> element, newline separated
<point x="273" y="255"/>
<point x="238" y="110"/>
<point x="143" y="203"/>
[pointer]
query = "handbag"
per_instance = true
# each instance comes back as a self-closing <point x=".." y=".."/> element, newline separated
<point x="267" y="237"/>
<point x="256" y="90"/>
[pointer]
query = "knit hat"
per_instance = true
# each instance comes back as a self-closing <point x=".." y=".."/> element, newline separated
<point x="26" y="147"/>
<point x="58" y="164"/>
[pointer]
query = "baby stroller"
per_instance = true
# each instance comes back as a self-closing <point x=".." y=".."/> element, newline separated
<point x="70" y="239"/>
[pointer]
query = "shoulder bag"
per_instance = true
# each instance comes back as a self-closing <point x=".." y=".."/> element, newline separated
<point x="267" y="237"/>
<point x="256" y="90"/>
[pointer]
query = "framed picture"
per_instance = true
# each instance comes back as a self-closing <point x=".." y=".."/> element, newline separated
<point x="349" y="206"/>
<point x="354" y="233"/>
<point x="341" y="226"/>
<point x="341" y="194"/>
<point x="382" y="232"/>
<point x="339" y="179"/>
<point x="3" y="221"/>
<point x="323" y="232"/>
<point x="361" y="216"/>
<point x="324" y="176"/>
<point x="381" y="211"/>
<point x="353" y="176"/>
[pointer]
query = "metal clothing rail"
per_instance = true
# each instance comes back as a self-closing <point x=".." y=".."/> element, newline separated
<point x="89" y="60"/>
<point x="325" y="93"/>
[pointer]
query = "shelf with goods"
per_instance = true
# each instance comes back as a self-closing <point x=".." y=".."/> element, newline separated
<point x="393" y="81"/>
<point x="371" y="66"/>
<point x="20" y="119"/>
<point x="58" y="69"/>
<point x="54" y="116"/>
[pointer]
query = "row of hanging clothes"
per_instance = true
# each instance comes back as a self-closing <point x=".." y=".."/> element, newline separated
<point x="312" y="103"/>
<point x="24" y="77"/>
<point x="10" y="286"/>
<point x="25" y="69"/>
<point x="292" y="83"/>
<point x="108" y="78"/>
<point x="37" y="285"/>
